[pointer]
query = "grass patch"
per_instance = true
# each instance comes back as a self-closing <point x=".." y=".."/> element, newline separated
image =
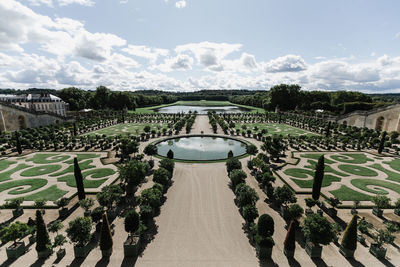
<point x="7" y="175"/>
<point x="4" y="164"/>
<point x="354" y="158"/>
<point x="391" y="175"/>
<point x="327" y="181"/>
<point x="394" y="164"/>
<point x="48" y="158"/>
<point x="83" y="165"/>
<point x="347" y="194"/>
<point x="83" y="157"/>
<point x="50" y="194"/>
<point x="128" y="128"/>
<point x="95" y="174"/>
<point x="20" y="184"/>
<point x="299" y="173"/>
<point x="364" y="183"/>
<point x="41" y="170"/>
<point x="316" y="157"/>
<point x="358" y="170"/>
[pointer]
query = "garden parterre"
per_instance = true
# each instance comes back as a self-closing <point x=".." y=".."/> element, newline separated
<point x="50" y="175"/>
<point x="349" y="176"/>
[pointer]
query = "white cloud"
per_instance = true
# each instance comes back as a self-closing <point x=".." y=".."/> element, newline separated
<point x="180" y="62"/>
<point x="288" y="63"/>
<point x="142" y="51"/>
<point x="78" y="2"/>
<point x="180" y="4"/>
<point x="41" y="2"/>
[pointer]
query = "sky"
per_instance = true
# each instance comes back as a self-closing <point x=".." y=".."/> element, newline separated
<point x="187" y="45"/>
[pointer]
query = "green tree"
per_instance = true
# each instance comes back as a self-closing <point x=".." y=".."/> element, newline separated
<point x="251" y="150"/>
<point x="43" y="240"/>
<point x="232" y="164"/>
<point x="284" y="195"/>
<point x="349" y="240"/>
<point x="132" y="222"/>
<point x="382" y="142"/>
<point x="161" y="176"/>
<point x="170" y="154"/>
<point x="133" y="174"/>
<point x="13" y="232"/>
<point x="250" y="213"/>
<point x="106" y="241"/>
<point x="265" y="225"/>
<point x="237" y="177"/>
<point x="79" y="229"/>
<point x="150" y="150"/>
<point x="18" y="143"/>
<point x="318" y="229"/>
<point x="318" y="177"/>
<point x="290" y="239"/>
<point x="79" y="180"/>
<point x="274" y="146"/>
<point x="245" y="195"/>
<point x="169" y="165"/>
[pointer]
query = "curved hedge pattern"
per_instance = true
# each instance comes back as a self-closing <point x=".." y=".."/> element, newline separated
<point x="33" y="183"/>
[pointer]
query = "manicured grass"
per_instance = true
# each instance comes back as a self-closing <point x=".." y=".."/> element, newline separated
<point x="347" y="194"/>
<point x="316" y="157"/>
<point x="394" y="164"/>
<point x="7" y="175"/>
<point x="364" y="183"/>
<point x="391" y="175"/>
<point x="48" y="158"/>
<point x="83" y="157"/>
<point x="41" y="170"/>
<point x="354" y="158"/>
<point x="128" y="128"/>
<point x="273" y="128"/>
<point x="358" y="170"/>
<point x="95" y="174"/>
<point x="299" y="173"/>
<point x="20" y="184"/>
<point x="83" y="165"/>
<point x="52" y="193"/>
<point x="327" y="181"/>
<point x="4" y="164"/>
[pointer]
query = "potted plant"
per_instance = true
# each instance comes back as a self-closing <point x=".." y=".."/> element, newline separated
<point x="13" y="232"/>
<point x="284" y="195"/>
<point x="397" y="207"/>
<point x="59" y="241"/>
<point x="78" y="232"/>
<point x="310" y="202"/>
<point x="381" y="202"/>
<point x="86" y="204"/>
<point x="334" y="202"/>
<point x="356" y="203"/>
<point x="363" y="226"/>
<point x="349" y="241"/>
<point x="382" y="236"/>
<point x="132" y="243"/>
<point x="15" y="204"/>
<point x="96" y="215"/>
<point x="62" y="203"/>
<point x="263" y="238"/>
<point x="289" y="244"/>
<point x="39" y="204"/>
<point x="106" y="242"/>
<point x="318" y="231"/>
<point x="43" y="244"/>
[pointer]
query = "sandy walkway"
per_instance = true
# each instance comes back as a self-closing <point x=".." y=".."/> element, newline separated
<point x="199" y="224"/>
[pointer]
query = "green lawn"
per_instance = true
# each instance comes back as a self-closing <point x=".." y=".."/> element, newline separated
<point x="20" y="184"/>
<point x="358" y="170"/>
<point x="273" y="128"/>
<point x="346" y="194"/>
<point x="128" y="128"/>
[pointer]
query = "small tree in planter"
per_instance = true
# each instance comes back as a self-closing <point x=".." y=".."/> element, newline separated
<point x="78" y="232"/>
<point x="59" y="240"/>
<point x="334" y="202"/>
<point x="106" y="241"/>
<point x="251" y="150"/>
<point x="86" y="204"/>
<point x="349" y="241"/>
<point x="39" y="204"/>
<point x="62" y="203"/>
<point x="43" y="243"/>
<point x="381" y="237"/>
<point x="245" y="195"/>
<point x="263" y="238"/>
<point x="295" y="211"/>
<point x="250" y="213"/>
<point x="237" y="177"/>
<point x="310" y="202"/>
<point x="356" y="203"/>
<point x="381" y="202"/>
<point x="284" y="195"/>
<point x="318" y="231"/>
<point x="232" y="164"/>
<point x="161" y="176"/>
<point x="318" y="177"/>
<point x="14" y="232"/>
<point x="14" y="204"/>
<point x="132" y="223"/>
<point x="289" y="244"/>
<point x="96" y="215"/>
<point x="397" y="207"/>
<point x="79" y="180"/>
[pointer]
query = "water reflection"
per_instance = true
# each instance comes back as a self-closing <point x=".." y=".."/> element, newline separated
<point x="201" y="110"/>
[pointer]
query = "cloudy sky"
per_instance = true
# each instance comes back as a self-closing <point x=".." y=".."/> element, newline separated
<point x="195" y="44"/>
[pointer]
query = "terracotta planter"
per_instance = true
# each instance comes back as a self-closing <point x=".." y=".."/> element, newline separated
<point x="347" y="252"/>
<point x="379" y="252"/>
<point x="81" y="252"/>
<point x="44" y="254"/>
<point x="314" y="251"/>
<point x="14" y="252"/>
<point x="131" y="246"/>
<point x="377" y="212"/>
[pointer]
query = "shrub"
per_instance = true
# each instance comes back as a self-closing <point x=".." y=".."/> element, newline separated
<point x="132" y="222"/>
<point x="79" y="180"/>
<point x="295" y="211"/>
<point x="318" y="229"/>
<point x="13" y="203"/>
<point x="265" y="226"/>
<point x="151" y="197"/>
<point x="62" y="202"/>
<point x="230" y="154"/>
<point x="13" y="232"/>
<point x="267" y="242"/>
<point x="133" y="174"/>
<point x="381" y="201"/>
<point x="245" y="195"/>
<point x="284" y="195"/>
<point x="318" y="177"/>
<point x="349" y="240"/>
<point x="233" y="164"/>
<point x="106" y="241"/>
<point x="310" y="202"/>
<point x="96" y="214"/>
<point x="86" y="203"/>
<point x="170" y="154"/>
<point x="79" y="229"/>
<point x="146" y="212"/>
<point x="161" y="176"/>
<point x="237" y="177"/>
<point x="250" y="213"/>
<point x="43" y="240"/>
<point x="169" y="165"/>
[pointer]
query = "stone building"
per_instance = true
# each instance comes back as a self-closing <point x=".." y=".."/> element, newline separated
<point x="383" y="119"/>
<point x="37" y="102"/>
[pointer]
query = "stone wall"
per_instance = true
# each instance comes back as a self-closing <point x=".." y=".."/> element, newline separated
<point x="13" y="118"/>
<point x="385" y="119"/>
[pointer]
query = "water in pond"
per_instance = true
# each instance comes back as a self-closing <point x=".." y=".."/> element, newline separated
<point x="201" y="109"/>
<point x="201" y="148"/>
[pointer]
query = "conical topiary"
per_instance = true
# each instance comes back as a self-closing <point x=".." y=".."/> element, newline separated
<point x="349" y="240"/>
<point x="43" y="240"/>
<point x="18" y="143"/>
<point x="265" y="226"/>
<point x="106" y="241"/>
<point x="290" y="237"/>
<point x="79" y="180"/>
<point x="318" y="177"/>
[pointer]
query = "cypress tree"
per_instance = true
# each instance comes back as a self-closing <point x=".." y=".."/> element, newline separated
<point x="170" y="154"/>
<point x="106" y="241"/>
<point x="382" y="142"/>
<point x="79" y="180"/>
<point x="75" y="129"/>
<point x="18" y="144"/>
<point x="318" y="177"/>
<point x="43" y="239"/>
<point x="290" y="237"/>
<point x="349" y="240"/>
<point x="328" y="129"/>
